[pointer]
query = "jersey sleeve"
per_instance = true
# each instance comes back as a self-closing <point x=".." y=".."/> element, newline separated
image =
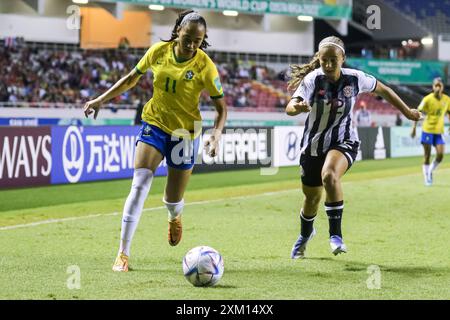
<point x="366" y="82"/>
<point x="146" y="61"/>
<point x="306" y="88"/>
<point x="212" y="81"/>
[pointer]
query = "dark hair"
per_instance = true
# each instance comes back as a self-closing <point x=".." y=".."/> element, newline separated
<point x="197" y="19"/>
<point x="298" y="72"/>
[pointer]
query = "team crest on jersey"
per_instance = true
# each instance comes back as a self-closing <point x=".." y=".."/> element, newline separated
<point x="189" y="75"/>
<point x="147" y="130"/>
<point x="348" y="91"/>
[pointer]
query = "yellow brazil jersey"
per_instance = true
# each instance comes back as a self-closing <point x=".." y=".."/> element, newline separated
<point x="177" y="87"/>
<point x="435" y="110"/>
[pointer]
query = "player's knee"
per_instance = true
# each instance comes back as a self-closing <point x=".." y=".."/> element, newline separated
<point x="329" y="178"/>
<point x="313" y="199"/>
<point x="142" y="180"/>
<point x="439" y="157"/>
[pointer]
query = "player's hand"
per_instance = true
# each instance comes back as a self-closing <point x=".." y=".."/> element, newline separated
<point x="212" y="146"/>
<point x="302" y="106"/>
<point x="92" y="106"/>
<point x="414" y="115"/>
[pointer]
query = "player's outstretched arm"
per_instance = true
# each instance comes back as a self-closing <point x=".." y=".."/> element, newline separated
<point x="413" y="132"/>
<point x="124" y="84"/>
<point x="390" y="96"/>
<point x="420" y="108"/>
<point x="297" y="106"/>
<point x="212" y="144"/>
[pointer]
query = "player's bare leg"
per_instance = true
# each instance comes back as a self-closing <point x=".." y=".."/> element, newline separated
<point x="313" y="195"/>
<point x="333" y="169"/>
<point x="147" y="159"/>
<point x="177" y="181"/>
<point x="440" y="150"/>
<point x="335" y="166"/>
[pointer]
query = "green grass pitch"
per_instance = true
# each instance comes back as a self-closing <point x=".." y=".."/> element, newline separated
<point x="391" y="223"/>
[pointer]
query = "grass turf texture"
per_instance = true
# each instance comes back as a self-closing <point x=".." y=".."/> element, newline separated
<point x="390" y="220"/>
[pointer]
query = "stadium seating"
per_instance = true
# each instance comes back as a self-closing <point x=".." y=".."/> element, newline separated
<point x="39" y="77"/>
<point x="434" y="15"/>
<point x="59" y="78"/>
<point x="375" y="104"/>
<point x="68" y="78"/>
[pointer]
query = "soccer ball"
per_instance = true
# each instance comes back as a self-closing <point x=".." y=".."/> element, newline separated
<point x="203" y="266"/>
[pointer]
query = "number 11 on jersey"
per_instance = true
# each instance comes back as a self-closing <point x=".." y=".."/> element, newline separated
<point x="174" y="83"/>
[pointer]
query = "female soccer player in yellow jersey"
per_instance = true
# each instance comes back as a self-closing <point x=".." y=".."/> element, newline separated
<point x="435" y="105"/>
<point x="181" y="70"/>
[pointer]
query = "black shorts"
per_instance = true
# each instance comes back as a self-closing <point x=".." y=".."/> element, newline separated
<point x="311" y="166"/>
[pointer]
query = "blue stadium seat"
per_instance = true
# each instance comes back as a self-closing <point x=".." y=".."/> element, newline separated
<point x="427" y="12"/>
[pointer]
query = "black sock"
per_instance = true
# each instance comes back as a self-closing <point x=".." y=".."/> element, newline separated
<point x="334" y="211"/>
<point x="306" y="225"/>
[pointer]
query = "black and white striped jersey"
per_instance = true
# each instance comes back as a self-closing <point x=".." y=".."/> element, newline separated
<point x="330" y="121"/>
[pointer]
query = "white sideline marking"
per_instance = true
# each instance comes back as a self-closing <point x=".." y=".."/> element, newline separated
<point x="33" y="224"/>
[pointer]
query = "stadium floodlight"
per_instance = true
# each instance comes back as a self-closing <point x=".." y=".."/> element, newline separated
<point x="230" y="13"/>
<point x="305" y="18"/>
<point x="427" y="41"/>
<point x="80" y="1"/>
<point x="156" y="7"/>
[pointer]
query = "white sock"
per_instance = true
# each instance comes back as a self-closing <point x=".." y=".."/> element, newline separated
<point x="434" y="165"/>
<point x="425" y="169"/>
<point x="175" y="208"/>
<point x="142" y="181"/>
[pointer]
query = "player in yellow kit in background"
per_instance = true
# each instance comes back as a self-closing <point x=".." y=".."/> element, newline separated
<point x="435" y="105"/>
<point x="181" y="70"/>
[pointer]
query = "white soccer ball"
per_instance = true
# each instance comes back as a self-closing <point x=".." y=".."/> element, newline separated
<point x="203" y="266"/>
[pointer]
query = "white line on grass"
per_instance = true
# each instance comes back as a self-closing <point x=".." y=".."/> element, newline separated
<point x="33" y="224"/>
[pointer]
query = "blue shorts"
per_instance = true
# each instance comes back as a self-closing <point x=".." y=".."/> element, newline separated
<point x="179" y="153"/>
<point x="431" y="138"/>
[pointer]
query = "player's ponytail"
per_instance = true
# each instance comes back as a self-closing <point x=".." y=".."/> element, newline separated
<point x="191" y="16"/>
<point x="298" y="72"/>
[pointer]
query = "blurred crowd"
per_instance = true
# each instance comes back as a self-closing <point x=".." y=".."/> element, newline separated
<point x="41" y="77"/>
<point x="57" y="78"/>
<point x="237" y="79"/>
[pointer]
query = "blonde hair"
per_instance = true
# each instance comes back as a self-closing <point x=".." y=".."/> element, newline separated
<point x="299" y="72"/>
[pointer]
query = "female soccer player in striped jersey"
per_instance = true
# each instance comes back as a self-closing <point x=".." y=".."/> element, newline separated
<point x="435" y="106"/>
<point x="327" y="92"/>
<point x="181" y="70"/>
